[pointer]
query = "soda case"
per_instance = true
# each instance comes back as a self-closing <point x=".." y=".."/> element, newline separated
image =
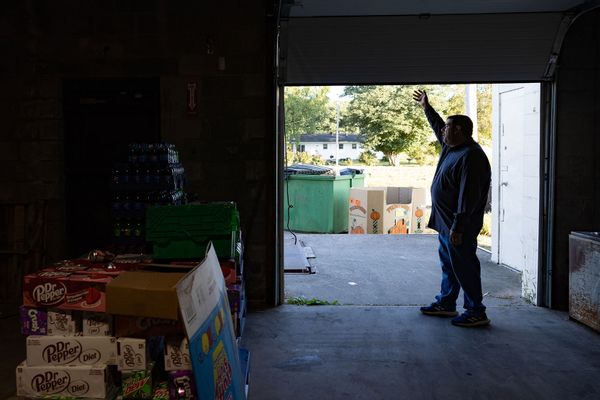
<point x="132" y="354"/>
<point x="71" y="350"/>
<point x="66" y="290"/>
<point x="97" y="324"/>
<point x="63" y="322"/>
<point x="86" y="267"/>
<point x="145" y="327"/>
<point x="137" y="384"/>
<point x="181" y="385"/>
<point x="89" y="381"/>
<point x="34" y="321"/>
<point x="177" y="354"/>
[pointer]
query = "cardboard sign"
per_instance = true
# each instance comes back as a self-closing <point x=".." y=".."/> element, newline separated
<point x="207" y="318"/>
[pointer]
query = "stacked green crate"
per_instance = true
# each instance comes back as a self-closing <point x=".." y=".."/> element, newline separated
<point x="178" y="232"/>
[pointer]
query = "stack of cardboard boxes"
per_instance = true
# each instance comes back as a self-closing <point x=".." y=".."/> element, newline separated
<point x="386" y="210"/>
<point x="102" y="329"/>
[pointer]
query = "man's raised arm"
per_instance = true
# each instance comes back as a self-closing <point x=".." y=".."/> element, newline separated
<point x="435" y="121"/>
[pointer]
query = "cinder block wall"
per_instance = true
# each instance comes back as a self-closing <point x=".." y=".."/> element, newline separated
<point x="226" y="147"/>
<point x="578" y="144"/>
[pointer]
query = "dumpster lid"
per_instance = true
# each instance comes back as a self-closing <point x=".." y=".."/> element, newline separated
<point x="307" y="169"/>
<point x="587" y="235"/>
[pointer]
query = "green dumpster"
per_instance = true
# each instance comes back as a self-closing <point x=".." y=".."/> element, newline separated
<point x="319" y="202"/>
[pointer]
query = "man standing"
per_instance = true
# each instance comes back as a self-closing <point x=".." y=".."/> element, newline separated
<point x="458" y="194"/>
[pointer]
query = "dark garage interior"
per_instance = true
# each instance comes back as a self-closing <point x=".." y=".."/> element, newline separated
<point x="81" y="80"/>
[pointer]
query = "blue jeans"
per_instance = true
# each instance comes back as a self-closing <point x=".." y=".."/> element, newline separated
<point x="460" y="268"/>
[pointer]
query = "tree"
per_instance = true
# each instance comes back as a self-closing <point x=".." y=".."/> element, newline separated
<point x="388" y="117"/>
<point x="307" y="110"/>
<point x="484" y="113"/>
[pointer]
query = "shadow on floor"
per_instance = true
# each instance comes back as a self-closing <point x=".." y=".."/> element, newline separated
<point x="377" y="345"/>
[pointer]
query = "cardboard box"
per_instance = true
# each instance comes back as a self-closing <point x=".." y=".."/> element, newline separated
<point x="34" y="321"/>
<point x="366" y="210"/>
<point x="177" y="354"/>
<point x="146" y="326"/>
<point x="97" y="324"/>
<point x="144" y="294"/>
<point x="207" y="318"/>
<point x="71" y="350"/>
<point x="65" y="290"/>
<point x="137" y="384"/>
<point x="132" y="354"/>
<point x="404" y="210"/>
<point x="389" y="210"/>
<point x="63" y="322"/>
<point x="182" y="386"/>
<point x="87" y="381"/>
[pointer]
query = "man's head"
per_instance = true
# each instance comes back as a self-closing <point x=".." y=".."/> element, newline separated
<point x="458" y="129"/>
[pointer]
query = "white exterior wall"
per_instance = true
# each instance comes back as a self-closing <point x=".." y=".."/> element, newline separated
<point x="329" y="153"/>
<point x="517" y="245"/>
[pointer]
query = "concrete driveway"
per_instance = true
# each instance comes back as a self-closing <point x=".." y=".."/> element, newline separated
<point x="388" y="270"/>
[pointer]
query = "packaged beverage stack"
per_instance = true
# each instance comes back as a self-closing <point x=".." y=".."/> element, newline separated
<point x="70" y="348"/>
<point x="183" y="233"/>
<point x="152" y="175"/>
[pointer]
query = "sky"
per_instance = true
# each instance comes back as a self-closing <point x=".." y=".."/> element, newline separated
<point x="335" y="92"/>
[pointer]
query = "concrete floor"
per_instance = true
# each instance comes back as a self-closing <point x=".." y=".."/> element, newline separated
<point x="377" y="345"/>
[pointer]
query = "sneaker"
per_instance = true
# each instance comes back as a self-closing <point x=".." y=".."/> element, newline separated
<point x="439" y="310"/>
<point x="467" y="319"/>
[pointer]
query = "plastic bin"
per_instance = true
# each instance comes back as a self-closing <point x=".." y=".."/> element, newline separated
<point x="320" y="202"/>
<point x="179" y="232"/>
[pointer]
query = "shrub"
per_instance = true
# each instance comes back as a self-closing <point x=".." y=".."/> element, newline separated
<point x="303" y="157"/>
<point x="486" y="230"/>
<point x="368" y="158"/>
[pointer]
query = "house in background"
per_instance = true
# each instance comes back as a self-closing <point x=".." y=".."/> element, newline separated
<point x="324" y="145"/>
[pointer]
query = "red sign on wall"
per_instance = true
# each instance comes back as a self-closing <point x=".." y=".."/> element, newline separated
<point x="192" y="93"/>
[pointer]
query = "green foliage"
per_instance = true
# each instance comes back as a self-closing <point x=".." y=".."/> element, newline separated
<point x="316" y="159"/>
<point x="484" y="114"/>
<point x="387" y="116"/>
<point x="303" y="301"/>
<point x="303" y="157"/>
<point x="345" y="161"/>
<point x="307" y="110"/>
<point x="367" y="157"/>
<point x="486" y="230"/>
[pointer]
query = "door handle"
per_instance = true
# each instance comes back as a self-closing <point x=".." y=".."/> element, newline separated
<point x="504" y="184"/>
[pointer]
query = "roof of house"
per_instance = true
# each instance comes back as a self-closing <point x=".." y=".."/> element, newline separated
<point x="330" y="138"/>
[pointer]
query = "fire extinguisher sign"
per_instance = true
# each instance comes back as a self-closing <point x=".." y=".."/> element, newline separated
<point x="192" y="97"/>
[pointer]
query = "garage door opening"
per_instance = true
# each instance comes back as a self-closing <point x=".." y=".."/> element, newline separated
<point x="341" y="137"/>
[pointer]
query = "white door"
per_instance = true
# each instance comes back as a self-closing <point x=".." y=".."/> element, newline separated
<point x="517" y="183"/>
<point x="510" y="162"/>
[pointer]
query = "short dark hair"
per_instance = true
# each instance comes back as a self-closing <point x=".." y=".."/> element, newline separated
<point x="464" y="122"/>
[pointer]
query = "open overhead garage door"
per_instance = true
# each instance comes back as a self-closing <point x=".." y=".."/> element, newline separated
<point x="509" y="47"/>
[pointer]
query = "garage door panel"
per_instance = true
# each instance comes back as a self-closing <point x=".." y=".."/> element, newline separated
<point x="405" y="49"/>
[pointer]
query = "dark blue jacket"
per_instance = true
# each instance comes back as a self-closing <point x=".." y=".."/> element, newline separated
<point x="460" y="186"/>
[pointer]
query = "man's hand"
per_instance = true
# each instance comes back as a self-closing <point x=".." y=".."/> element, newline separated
<point x="455" y="238"/>
<point x="420" y="96"/>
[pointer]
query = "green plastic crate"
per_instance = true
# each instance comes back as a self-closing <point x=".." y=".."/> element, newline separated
<point x="184" y="231"/>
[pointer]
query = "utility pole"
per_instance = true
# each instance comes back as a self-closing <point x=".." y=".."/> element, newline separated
<point x="337" y="132"/>
<point x="471" y="105"/>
